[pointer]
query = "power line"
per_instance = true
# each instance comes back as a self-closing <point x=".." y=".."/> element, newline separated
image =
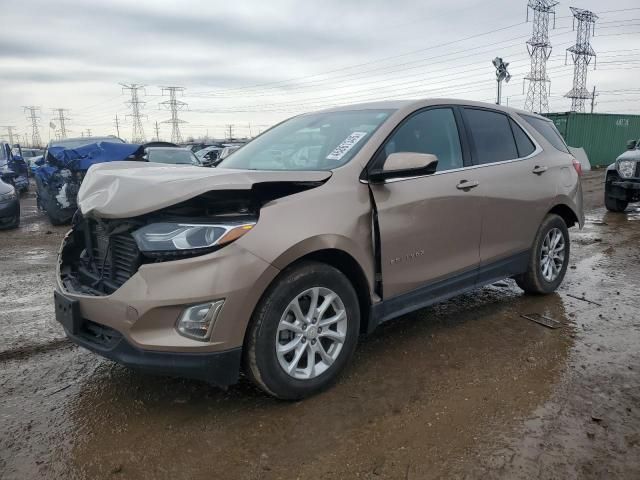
<point x="137" y="135"/>
<point x="32" y="115"/>
<point x="582" y="53"/>
<point x="539" y="48"/>
<point x="173" y="104"/>
<point x="62" y="128"/>
<point x="10" y="132"/>
<point x="117" y="124"/>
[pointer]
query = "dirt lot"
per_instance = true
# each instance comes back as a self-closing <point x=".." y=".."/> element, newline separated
<point x="465" y="389"/>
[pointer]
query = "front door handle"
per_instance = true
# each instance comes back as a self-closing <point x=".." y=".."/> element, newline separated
<point x="467" y="185"/>
<point x="539" y="169"/>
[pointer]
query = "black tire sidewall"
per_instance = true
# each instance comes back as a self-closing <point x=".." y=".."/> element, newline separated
<point x="551" y="222"/>
<point x="613" y="204"/>
<point x="292" y="282"/>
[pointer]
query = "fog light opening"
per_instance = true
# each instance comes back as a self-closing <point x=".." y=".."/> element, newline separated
<point x="197" y="322"/>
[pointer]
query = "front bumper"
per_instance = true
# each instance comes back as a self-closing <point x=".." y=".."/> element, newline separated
<point x="143" y="313"/>
<point x="627" y="190"/>
<point x="9" y="210"/>
<point x="218" y="368"/>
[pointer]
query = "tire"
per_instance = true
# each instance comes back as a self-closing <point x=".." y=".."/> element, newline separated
<point x="16" y="222"/>
<point x="57" y="216"/>
<point x="534" y="280"/>
<point x="297" y="284"/>
<point x="613" y="204"/>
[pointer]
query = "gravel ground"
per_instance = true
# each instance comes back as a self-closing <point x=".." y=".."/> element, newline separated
<point x="464" y="389"/>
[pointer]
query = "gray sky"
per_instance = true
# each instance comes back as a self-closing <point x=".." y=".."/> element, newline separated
<point x="256" y="63"/>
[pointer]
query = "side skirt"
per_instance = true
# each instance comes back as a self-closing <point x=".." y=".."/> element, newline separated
<point x="447" y="288"/>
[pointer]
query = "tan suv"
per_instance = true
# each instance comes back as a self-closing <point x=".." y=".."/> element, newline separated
<point x="317" y="231"/>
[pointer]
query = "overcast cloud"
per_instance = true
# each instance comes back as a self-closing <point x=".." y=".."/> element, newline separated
<point x="255" y="62"/>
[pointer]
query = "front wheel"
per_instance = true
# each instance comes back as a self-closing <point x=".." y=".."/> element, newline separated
<point x="304" y="331"/>
<point x="549" y="257"/>
<point x="611" y="203"/>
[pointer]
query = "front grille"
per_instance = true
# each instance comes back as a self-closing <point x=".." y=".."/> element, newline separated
<point x="98" y="334"/>
<point x="115" y="257"/>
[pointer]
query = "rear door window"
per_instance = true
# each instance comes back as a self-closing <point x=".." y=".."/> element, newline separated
<point x="523" y="142"/>
<point x="491" y="135"/>
<point x="548" y="130"/>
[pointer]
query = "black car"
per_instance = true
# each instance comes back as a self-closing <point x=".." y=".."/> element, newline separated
<point x="9" y="206"/>
<point x="622" y="185"/>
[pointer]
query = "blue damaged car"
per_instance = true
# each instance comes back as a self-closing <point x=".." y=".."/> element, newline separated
<point x="13" y="168"/>
<point x="64" y="165"/>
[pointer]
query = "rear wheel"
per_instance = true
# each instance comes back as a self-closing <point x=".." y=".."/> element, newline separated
<point x="549" y="257"/>
<point x="304" y="331"/>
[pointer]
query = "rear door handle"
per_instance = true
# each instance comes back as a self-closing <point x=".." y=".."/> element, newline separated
<point x="539" y="170"/>
<point x="467" y="185"/>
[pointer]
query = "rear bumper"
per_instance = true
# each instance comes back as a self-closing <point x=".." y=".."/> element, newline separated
<point x="218" y="368"/>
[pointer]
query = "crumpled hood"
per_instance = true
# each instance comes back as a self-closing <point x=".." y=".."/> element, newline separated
<point x="129" y="189"/>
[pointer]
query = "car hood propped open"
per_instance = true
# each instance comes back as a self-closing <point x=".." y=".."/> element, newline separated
<point x="128" y="189"/>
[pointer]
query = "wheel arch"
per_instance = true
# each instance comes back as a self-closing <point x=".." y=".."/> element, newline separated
<point x="341" y="259"/>
<point x="350" y="268"/>
<point x="567" y="213"/>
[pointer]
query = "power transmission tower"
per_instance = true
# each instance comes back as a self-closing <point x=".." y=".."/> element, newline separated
<point x="539" y="48"/>
<point x="88" y="132"/>
<point x="62" y="132"/>
<point x="581" y="52"/>
<point x="10" y="133"/>
<point x="117" y="124"/>
<point x="593" y="98"/>
<point x="174" y="105"/>
<point x="230" y="131"/>
<point x="137" y="135"/>
<point x="157" y="129"/>
<point x="32" y="114"/>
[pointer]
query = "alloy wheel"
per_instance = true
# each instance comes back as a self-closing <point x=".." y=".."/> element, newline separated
<point x="311" y="333"/>
<point x="552" y="254"/>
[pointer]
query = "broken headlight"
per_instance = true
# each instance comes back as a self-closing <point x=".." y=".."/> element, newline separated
<point x="171" y="237"/>
<point x="626" y="168"/>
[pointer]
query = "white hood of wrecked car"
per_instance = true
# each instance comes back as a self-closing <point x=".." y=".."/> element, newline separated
<point x="129" y="189"/>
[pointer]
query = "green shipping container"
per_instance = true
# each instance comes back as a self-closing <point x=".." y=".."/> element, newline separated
<point x="603" y="136"/>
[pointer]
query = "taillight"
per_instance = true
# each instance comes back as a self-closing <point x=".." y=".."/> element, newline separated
<point x="577" y="166"/>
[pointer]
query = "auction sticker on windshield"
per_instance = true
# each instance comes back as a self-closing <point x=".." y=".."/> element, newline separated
<point x="346" y="145"/>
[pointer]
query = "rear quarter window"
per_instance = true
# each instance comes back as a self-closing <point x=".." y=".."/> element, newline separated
<point x="523" y="142"/>
<point x="548" y="130"/>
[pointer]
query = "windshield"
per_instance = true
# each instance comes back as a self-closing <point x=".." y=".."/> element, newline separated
<point x="318" y="141"/>
<point x="204" y="151"/>
<point x="172" y="155"/>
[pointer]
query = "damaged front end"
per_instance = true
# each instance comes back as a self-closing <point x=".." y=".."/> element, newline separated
<point x="13" y="169"/>
<point x="100" y="254"/>
<point x="59" y="179"/>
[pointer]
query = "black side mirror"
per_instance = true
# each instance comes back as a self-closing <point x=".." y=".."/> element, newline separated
<point x="405" y="164"/>
<point x="631" y="144"/>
